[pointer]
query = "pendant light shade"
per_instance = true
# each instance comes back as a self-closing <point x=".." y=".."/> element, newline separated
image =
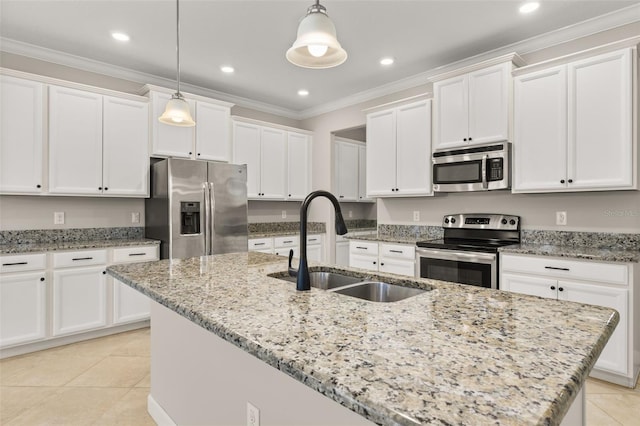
<point x="177" y="112"/>
<point x="317" y="45"/>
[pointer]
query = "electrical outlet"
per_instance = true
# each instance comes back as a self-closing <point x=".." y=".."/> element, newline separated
<point x="416" y="216"/>
<point x="253" y="415"/>
<point x="284" y="214"/>
<point x="350" y="213"/>
<point x="561" y="218"/>
<point x="135" y="217"/>
<point x="58" y="218"/>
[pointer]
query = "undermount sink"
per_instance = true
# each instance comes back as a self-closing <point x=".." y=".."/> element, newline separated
<point x="376" y="291"/>
<point x="327" y="280"/>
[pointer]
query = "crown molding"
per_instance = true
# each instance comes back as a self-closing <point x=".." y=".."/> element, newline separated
<point x="595" y="25"/>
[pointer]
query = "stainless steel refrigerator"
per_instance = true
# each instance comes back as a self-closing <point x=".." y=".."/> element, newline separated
<point x="197" y="208"/>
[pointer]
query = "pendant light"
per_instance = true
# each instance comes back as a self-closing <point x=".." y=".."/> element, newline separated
<point x="316" y="45"/>
<point x="177" y="111"/>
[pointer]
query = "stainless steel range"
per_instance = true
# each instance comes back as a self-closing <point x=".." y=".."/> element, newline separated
<point x="468" y="254"/>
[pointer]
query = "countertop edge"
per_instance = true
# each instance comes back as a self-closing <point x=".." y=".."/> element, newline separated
<point x="17" y="248"/>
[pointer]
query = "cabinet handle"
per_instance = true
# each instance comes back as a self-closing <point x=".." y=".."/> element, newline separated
<point x="190" y="152"/>
<point x="38" y="186"/>
<point x="289" y="195"/>
<point x="570" y="180"/>
<point x="14" y="263"/>
<point x="464" y="140"/>
<point x="381" y="263"/>
<point x="41" y="278"/>
<point x="362" y="248"/>
<point x="556" y="268"/>
<point x="560" y="289"/>
<point x="561" y="180"/>
<point x="137" y="254"/>
<point x="104" y="272"/>
<point x="106" y="189"/>
<point x="82" y="258"/>
<point x="312" y="239"/>
<point x="259" y="244"/>
<point x="397" y="189"/>
<point x="100" y="188"/>
<point x="287" y="242"/>
<point x="342" y="196"/>
<point x="198" y="154"/>
<point x="470" y="139"/>
<point x="553" y="287"/>
<point x="396" y="251"/>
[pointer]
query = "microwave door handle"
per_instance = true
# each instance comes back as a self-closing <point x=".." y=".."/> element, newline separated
<point x="485" y="160"/>
<point x="207" y="213"/>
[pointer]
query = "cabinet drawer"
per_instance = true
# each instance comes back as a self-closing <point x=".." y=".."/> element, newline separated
<point x="79" y="258"/>
<point x="135" y="254"/>
<point x="260" y="243"/>
<point x="566" y="269"/>
<point x="363" y="248"/>
<point x="399" y="252"/>
<point x="288" y="241"/>
<point x="314" y="239"/>
<point x="22" y="262"/>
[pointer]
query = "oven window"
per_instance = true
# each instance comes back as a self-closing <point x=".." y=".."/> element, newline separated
<point x="477" y="274"/>
<point x="462" y="172"/>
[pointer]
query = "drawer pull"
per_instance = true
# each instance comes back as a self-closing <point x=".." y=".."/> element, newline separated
<point x="137" y="254"/>
<point x="313" y="239"/>
<point x="259" y="244"/>
<point x="556" y="268"/>
<point x="396" y="251"/>
<point x="14" y="264"/>
<point x="287" y="242"/>
<point x="362" y="248"/>
<point x="82" y="258"/>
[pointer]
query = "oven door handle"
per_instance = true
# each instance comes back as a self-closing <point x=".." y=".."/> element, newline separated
<point x="457" y="255"/>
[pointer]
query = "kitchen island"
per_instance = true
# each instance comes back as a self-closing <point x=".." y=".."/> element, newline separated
<point x="452" y="355"/>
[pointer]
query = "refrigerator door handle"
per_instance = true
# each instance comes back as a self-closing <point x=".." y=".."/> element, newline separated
<point x="212" y="209"/>
<point x="207" y="219"/>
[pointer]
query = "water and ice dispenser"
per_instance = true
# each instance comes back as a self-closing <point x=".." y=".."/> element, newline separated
<point x="189" y="217"/>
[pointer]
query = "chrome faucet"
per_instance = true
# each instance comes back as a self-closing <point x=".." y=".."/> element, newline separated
<point x="302" y="273"/>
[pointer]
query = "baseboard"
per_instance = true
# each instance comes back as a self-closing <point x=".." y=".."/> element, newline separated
<point x="617" y="379"/>
<point x="157" y="413"/>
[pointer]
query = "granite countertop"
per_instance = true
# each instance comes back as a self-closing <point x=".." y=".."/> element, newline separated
<point x="72" y="245"/>
<point x="575" y="252"/>
<point x="453" y="355"/>
<point x="400" y="239"/>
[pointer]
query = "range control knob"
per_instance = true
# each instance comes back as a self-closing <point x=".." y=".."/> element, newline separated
<point x="446" y="220"/>
<point x="504" y="221"/>
<point x="453" y="220"/>
<point x="512" y="222"/>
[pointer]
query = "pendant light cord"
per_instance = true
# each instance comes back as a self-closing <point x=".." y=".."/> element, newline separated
<point x="178" y="42"/>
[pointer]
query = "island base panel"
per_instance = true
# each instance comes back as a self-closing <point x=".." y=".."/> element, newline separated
<point x="198" y="378"/>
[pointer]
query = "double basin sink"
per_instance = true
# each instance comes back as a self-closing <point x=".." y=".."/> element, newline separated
<point x="374" y="291"/>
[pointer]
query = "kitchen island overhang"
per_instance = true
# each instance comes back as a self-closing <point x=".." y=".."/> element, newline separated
<point x="454" y="354"/>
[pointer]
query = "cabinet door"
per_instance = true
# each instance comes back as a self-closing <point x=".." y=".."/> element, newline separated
<point x="451" y="115"/>
<point x="75" y="141"/>
<point x="315" y="252"/>
<point x="381" y="153"/>
<point x="167" y="140"/>
<point x="273" y="169"/>
<point x="79" y="300"/>
<point x="489" y="104"/>
<point x="363" y="262"/>
<point x="125" y="147"/>
<point x="542" y="287"/>
<point x="413" y="147"/>
<point x="614" y="355"/>
<point x="540" y="147"/>
<point x="347" y="156"/>
<point x="21" y="135"/>
<point x="22" y="308"/>
<point x="399" y="267"/>
<point x="129" y="304"/>
<point x="342" y="253"/>
<point x="298" y="165"/>
<point x="600" y="122"/>
<point x="212" y="132"/>
<point x="362" y="173"/>
<point x="246" y="150"/>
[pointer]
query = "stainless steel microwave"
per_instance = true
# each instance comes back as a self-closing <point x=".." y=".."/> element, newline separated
<point x="477" y="168"/>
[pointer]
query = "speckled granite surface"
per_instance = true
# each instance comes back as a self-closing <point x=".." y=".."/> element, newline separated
<point x="73" y="245"/>
<point x="400" y="239"/>
<point x="275" y="229"/>
<point x="604" y="240"/>
<point x="577" y="252"/>
<point x="453" y="355"/>
<point x="403" y="234"/>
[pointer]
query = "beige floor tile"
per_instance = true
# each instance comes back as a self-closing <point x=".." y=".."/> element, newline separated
<point x="138" y="345"/>
<point x="71" y="406"/>
<point x="624" y="408"/>
<point x="131" y="410"/>
<point x="42" y="369"/>
<point x="103" y="346"/>
<point x="145" y="382"/>
<point x="597" y="417"/>
<point x="16" y="400"/>
<point x="114" y="371"/>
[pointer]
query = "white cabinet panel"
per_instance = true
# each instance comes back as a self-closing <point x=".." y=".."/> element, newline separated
<point x="413" y="149"/>
<point x="298" y="166"/>
<point x="212" y="132"/>
<point x="381" y="153"/>
<point x="451" y="117"/>
<point x="315" y="252"/>
<point x="75" y="141"/>
<point x="363" y="262"/>
<point x="342" y="253"/>
<point x="22" y="308"/>
<point x="246" y="150"/>
<point x="534" y="286"/>
<point x="273" y="173"/>
<point x="167" y="140"/>
<point x="129" y="304"/>
<point x="21" y="135"/>
<point x="125" y="147"/>
<point x="489" y="104"/>
<point x="400" y="267"/>
<point x="362" y="173"/>
<point x="347" y="174"/>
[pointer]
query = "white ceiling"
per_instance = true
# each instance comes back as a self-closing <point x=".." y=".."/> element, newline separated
<point x="253" y="36"/>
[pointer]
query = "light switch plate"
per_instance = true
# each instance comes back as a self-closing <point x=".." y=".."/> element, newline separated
<point x="58" y="218"/>
<point x="253" y="415"/>
<point x="561" y="218"/>
<point x="284" y="214"/>
<point x="135" y="217"/>
<point x="416" y="216"/>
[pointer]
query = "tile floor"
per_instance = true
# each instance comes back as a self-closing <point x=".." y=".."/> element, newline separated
<point x="106" y="381"/>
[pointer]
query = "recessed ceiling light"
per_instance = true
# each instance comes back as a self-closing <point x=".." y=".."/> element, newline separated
<point x="227" y="69"/>
<point x="529" y="7"/>
<point x="120" y="36"/>
<point x="386" y="61"/>
<point x="303" y="92"/>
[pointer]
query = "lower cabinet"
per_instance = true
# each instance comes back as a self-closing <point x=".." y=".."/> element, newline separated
<point x="383" y="257"/>
<point x="588" y="282"/>
<point x="130" y="305"/>
<point x="282" y="245"/>
<point x="342" y="251"/>
<point x="22" y="307"/>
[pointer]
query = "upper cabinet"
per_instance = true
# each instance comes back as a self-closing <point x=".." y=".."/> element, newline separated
<point x="347" y="169"/>
<point x="574" y="126"/>
<point x="399" y="151"/>
<point x="473" y="107"/>
<point x="22" y="137"/>
<point x="298" y="165"/>
<point x="208" y="140"/>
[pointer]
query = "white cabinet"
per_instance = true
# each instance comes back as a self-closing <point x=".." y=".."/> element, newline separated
<point x="298" y="165"/>
<point x="262" y="245"/>
<point x="21" y="135"/>
<point x="98" y="145"/>
<point x="263" y="150"/>
<point x="362" y="174"/>
<point x="282" y="245"/>
<point x="213" y="128"/>
<point x="129" y="305"/>
<point x="595" y="283"/>
<point x="167" y="140"/>
<point x="342" y="251"/>
<point x="573" y="126"/>
<point x="384" y="257"/>
<point x="22" y="299"/>
<point x="79" y="291"/>
<point x="399" y="151"/>
<point x="472" y="108"/>
<point x="315" y="248"/>
<point x="347" y="157"/>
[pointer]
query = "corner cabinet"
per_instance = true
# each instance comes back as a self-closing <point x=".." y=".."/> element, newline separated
<point x="22" y="113"/>
<point x="399" y="151"/>
<point x="574" y="126"/>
